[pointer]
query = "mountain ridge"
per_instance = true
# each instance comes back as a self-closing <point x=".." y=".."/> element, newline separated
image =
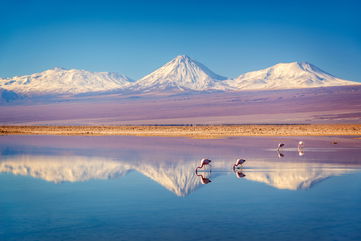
<point x="181" y="74"/>
<point x="64" y="81"/>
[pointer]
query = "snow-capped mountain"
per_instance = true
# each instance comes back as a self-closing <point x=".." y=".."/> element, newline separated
<point x="62" y="81"/>
<point x="287" y="76"/>
<point x="181" y="73"/>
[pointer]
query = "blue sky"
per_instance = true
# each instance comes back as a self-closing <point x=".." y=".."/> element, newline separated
<point x="136" y="37"/>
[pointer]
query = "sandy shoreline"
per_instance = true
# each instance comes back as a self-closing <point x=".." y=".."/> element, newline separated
<point x="188" y="131"/>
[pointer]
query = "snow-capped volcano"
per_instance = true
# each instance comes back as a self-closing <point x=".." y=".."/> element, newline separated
<point x="287" y="76"/>
<point x="181" y="73"/>
<point x="62" y="81"/>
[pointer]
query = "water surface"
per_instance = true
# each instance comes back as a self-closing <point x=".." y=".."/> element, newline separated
<point x="146" y="188"/>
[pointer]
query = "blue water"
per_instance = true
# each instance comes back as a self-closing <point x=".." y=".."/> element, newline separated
<point x="137" y="188"/>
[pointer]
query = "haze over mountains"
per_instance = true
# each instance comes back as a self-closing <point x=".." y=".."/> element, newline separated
<point x="180" y="74"/>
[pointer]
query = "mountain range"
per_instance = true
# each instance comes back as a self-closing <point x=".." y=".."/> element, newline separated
<point x="180" y="74"/>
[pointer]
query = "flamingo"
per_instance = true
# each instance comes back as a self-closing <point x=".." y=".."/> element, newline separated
<point x="280" y="146"/>
<point x="204" y="162"/>
<point x="238" y="163"/>
<point x="300" y="145"/>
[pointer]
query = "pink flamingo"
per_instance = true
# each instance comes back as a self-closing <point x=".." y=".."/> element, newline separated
<point x="238" y="163"/>
<point x="280" y="146"/>
<point x="300" y="145"/>
<point x="204" y="162"/>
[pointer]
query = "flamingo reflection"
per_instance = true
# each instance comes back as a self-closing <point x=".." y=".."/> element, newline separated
<point x="280" y="154"/>
<point x="240" y="174"/>
<point x="204" y="180"/>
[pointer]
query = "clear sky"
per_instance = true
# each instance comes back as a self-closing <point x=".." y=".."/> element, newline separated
<point x="136" y="37"/>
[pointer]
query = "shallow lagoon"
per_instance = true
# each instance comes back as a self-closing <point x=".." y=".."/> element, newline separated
<point x="145" y="188"/>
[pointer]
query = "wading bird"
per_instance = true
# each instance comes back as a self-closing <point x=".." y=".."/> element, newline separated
<point x="280" y="146"/>
<point x="204" y="162"/>
<point x="239" y="162"/>
<point x="300" y="145"/>
<point x="300" y="148"/>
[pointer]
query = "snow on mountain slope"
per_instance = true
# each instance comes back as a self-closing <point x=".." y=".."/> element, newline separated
<point x="287" y="76"/>
<point x="62" y="81"/>
<point x="181" y="73"/>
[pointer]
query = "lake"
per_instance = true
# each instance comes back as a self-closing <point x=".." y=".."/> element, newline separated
<point x="146" y="188"/>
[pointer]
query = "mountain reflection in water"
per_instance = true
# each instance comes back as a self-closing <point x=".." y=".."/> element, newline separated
<point x="178" y="177"/>
<point x="171" y="162"/>
<point x="141" y="188"/>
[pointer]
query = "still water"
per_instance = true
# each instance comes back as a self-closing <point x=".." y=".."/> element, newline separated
<point x="146" y="188"/>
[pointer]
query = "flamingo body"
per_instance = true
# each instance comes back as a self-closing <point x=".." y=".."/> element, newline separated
<point x="204" y="162"/>
<point x="280" y="146"/>
<point x="238" y="163"/>
<point x="300" y="144"/>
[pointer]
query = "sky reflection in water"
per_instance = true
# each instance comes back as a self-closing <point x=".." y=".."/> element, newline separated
<point x="137" y="188"/>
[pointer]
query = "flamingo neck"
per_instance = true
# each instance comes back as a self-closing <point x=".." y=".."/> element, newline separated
<point x="199" y="168"/>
